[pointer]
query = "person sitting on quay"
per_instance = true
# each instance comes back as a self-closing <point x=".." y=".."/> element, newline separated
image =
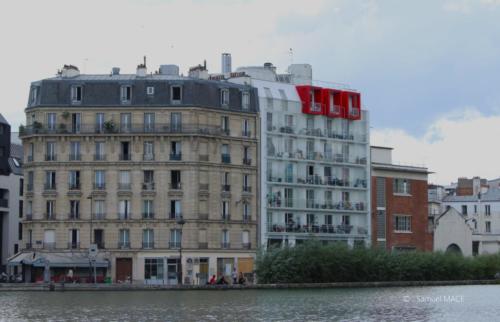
<point x="213" y="280"/>
<point x="241" y="279"/>
<point x="222" y="281"/>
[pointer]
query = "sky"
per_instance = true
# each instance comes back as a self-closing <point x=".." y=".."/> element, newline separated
<point x="428" y="70"/>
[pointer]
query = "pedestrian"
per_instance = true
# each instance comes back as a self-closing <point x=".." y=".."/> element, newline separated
<point x="234" y="275"/>
<point x="213" y="280"/>
<point x="241" y="279"/>
<point x="70" y="275"/>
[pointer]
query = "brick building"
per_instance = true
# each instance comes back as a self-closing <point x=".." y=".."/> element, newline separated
<point x="400" y="214"/>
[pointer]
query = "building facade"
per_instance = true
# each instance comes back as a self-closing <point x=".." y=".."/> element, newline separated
<point x="400" y="213"/>
<point x="156" y="171"/>
<point x="11" y="192"/>
<point x="315" y="158"/>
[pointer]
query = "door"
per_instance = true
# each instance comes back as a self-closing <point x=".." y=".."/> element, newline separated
<point x="124" y="270"/>
<point x="203" y="275"/>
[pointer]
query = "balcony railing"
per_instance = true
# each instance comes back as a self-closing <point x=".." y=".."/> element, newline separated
<point x="50" y="216"/>
<point x="175" y="186"/>
<point x="203" y="245"/>
<point x="226" y="217"/>
<point x="225" y="158"/>
<point x="125" y="157"/>
<point x="29" y="158"/>
<point x="316" y="107"/>
<point x="247" y="161"/>
<point x="175" y="215"/>
<point x="124" y="216"/>
<point x="100" y="244"/>
<point x="99" y="186"/>
<point x="247" y="189"/>
<point x="148" y="245"/>
<point x="50" y="157"/>
<point x="148" y="186"/>
<point x="247" y="218"/>
<point x="316" y="229"/>
<point x="124" y="186"/>
<point x="74" y="245"/>
<point x="75" y="157"/>
<point x="317" y="156"/>
<point x="246" y="134"/>
<point x="226" y="188"/>
<point x="99" y="157"/>
<point x="148" y="157"/>
<point x="314" y="204"/>
<point x="172" y="244"/>
<point x="246" y="245"/>
<point x="200" y="129"/>
<point x="148" y="215"/>
<point x="29" y="187"/>
<point x="320" y="180"/>
<point x="225" y="245"/>
<point x="74" y="186"/>
<point x="99" y="216"/>
<point x="50" y="186"/>
<point x="175" y="156"/>
<point x="29" y="217"/>
<point x="123" y="245"/>
<point x="73" y="216"/>
<point x="323" y="133"/>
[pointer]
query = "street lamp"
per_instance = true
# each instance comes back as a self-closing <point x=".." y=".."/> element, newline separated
<point x="181" y="222"/>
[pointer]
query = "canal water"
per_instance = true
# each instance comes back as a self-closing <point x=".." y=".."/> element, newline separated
<point x="450" y="303"/>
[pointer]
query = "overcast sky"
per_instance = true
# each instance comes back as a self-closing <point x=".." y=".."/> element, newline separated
<point x="428" y="70"/>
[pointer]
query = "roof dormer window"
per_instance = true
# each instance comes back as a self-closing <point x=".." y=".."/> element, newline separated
<point x="150" y="90"/>
<point x="176" y="94"/>
<point x="245" y="100"/>
<point x="224" y="97"/>
<point x="34" y="95"/>
<point x="126" y="94"/>
<point x="76" y="94"/>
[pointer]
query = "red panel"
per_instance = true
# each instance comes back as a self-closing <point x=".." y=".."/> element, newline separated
<point x="332" y="100"/>
<point x="312" y="99"/>
<point x="351" y="102"/>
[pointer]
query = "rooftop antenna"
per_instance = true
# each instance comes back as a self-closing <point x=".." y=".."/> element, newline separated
<point x="290" y="52"/>
<point x="144" y="61"/>
<point x="205" y="64"/>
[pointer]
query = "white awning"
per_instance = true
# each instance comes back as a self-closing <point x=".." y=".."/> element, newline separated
<point x="53" y="259"/>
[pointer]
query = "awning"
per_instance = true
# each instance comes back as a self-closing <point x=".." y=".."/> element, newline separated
<point x="39" y="259"/>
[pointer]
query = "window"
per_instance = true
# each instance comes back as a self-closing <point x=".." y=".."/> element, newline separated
<point x="346" y="220"/>
<point x="176" y="94"/>
<point x="175" y="238"/>
<point x="148" y="238"/>
<point x="50" y="180"/>
<point x="289" y="145"/>
<point x="225" y="239"/>
<point x="20" y="231"/>
<point x="328" y="220"/>
<point x="31" y="178"/>
<point x="246" y="182"/>
<point x="245" y="100"/>
<point x="402" y="223"/>
<point x="402" y="186"/>
<point x="269" y="97"/>
<point x="224" y="97"/>
<point x="21" y="187"/>
<point x="50" y="151"/>
<point x="246" y="155"/>
<point x="99" y="209"/>
<point x="464" y="209"/>
<point x="126" y="94"/>
<point x="99" y="238"/>
<point x="74" y="153"/>
<point x="99" y="122"/>
<point x="175" y="179"/>
<point x="124" y="209"/>
<point x="226" y="182"/>
<point x="74" y="209"/>
<point x="51" y="121"/>
<point x="488" y="226"/>
<point x="150" y="90"/>
<point x="125" y="151"/>
<point x="50" y="207"/>
<point x="31" y="152"/>
<point x="124" y="241"/>
<point x="246" y="211"/>
<point x="284" y="100"/>
<point x="245" y="239"/>
<point x="148" y="209"/>
<point x="76" y="119"/>
<point x="175" y="151"/>
<point x="226" y="158"/>
<point x="124" y="183"/>
<point x="74" y="180"/>
<point x="21" y="208"/>
<point x="225" y="210"/>
<point x="99" y="151"/>
<point x="34" y="95"/>
<point x="99" y="179"/>
<point x="149" y="122"/>
<point x="125" y="122"/>
<point x="269" y="121"/>
<point x="76" y="94"/>
<point x="225" y="124"/>
<point x="149" y="179"/>
<point x="176" y="122"/>
<point x="153" y="268"/>
<point x="149" y="153"/>
<point x="487" y="210"/>
<point x="49" y="239"/>
<point x="175" y="209"/>
<point x="246" y="128"/>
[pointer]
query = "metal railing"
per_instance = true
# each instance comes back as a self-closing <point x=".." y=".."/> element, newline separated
<point x="314" y="204"/>
<point x="124" y="216"/>
<point x="73" y="216"/>
<point x="246" y="245"/>
<point x="175" y="156"/>
<point x="246" y="133"/>
<point x="247" y="161"/>
<point x="148" y="245"/>
<point x="226" y="188"/>
<point x="148" y="157"/>
<point x="99" y="157"/>
<point x="225" y="158"/>
<point x="49" y="245"/>
<point x="99" y="186"/>
<point x="99" y="216"/>
<point x="50" y="157"/>
<point x="125" y="157"/>
<point x="172" y="244"/>
<point x="226" y="217"/>
<point x="123" y="245"/>
<point x="49" y="216"/>
<point x="73" y="245"/>
<point x="321" y="180"/>
<point x="29" y="217"/>
<point x="224" y="245"/>
<point x="316" y="229"/>
<point x="247" y="189"/>
<point x="203" y="245"/>
<point x="148" y="186"/>
<point x="175" y="186"/>
<point x="148" y="215"/>
<point x="74" y="186"/>
<point x="124" y="186"/>
<point x="75" y="157"/>
<point x="175" y="215"/>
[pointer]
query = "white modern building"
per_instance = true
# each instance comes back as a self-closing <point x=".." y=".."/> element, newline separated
<point x="11" y="191"/>
<point x="314" y="158"/>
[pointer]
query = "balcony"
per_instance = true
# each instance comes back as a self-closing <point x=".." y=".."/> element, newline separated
<point x="246" y="134"/>
<point x="74" y="245"/>
<point x="202" y="245"/>
<point x="174" y="245"/>
<point x="124" y="216"/>
<point x="75" y="157"/>
<point x="203" y="186"/>
<point x="320" y="180"/>
<point x="74" y="186"/>
<point x="314" y="204"/>
<point x="203" y="216"/>
<point x="225" y="245"/>
<point x="99" y="186"/>
<point x="148" y="215"/>
<point x="73" y="216"/>
<point x="247" y="218"/>
<point x="100" y="245"/>
<point x="175" y="186"/>
<point x="148" y="245"/>
<point x="316" y="107"/>
<point x="49" y="245"/>
<point x="226" y="188"/>
<point x="50" y="157"/>
<point x="49" y="216"/>
<point x="175" y="215"/>
<point x="29" y="158"/>
<point x="148" y="186"/>
<point x="29" y="217"/>
<point x="203" y="157"/>
<point x="124" y="186"/>
<point x="125" y="157"/>
<point x="123" y="244"/>
<point x="148" y="157"/>
<point x="4" y="203"/>
<point x="247" y="161"/>
<point x="99" y="157"/>
<point x="157" y="128"/>
<point x="226" y="217"/>
<point x="225" y="158"/>
<point x="342" y="229"/>
<point x="225" y="132"/>
<point x="246" y="245"/>
<point x="29" y="187"/>
<point x="175" y="156"/>
<point x="99" y="216"/>
<point x="247" y="189"/>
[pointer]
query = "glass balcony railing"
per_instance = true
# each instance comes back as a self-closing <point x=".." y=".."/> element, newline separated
<point x="312" y="204"/>
<point x="320" y="180"/>
<point x="341" y="229"/>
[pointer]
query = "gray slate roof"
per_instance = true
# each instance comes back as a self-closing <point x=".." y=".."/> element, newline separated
<point x="493" y="194"/>
<point x="3" y="120"/>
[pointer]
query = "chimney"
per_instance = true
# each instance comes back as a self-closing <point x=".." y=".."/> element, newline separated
<point x="70" y="71"/>
<point x="141" y="69"/>
<point x="115" y="71"/>
<point x="226" y="63"/>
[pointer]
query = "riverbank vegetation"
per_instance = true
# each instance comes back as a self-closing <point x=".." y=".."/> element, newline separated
<point x="316" y="263"/>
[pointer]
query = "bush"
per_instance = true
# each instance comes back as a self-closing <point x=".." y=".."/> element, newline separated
<point x="313" y="262"/>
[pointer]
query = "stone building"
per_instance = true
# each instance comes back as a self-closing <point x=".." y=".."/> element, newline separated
<point x="146" y="168"/>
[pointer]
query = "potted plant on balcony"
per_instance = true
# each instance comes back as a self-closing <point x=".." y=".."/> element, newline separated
<point x="109" y="126"/>
<point x="37" y="126"/>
